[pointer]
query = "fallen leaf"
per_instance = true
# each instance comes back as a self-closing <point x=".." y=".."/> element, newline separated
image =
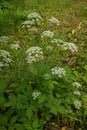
<point x="64" y="128"/>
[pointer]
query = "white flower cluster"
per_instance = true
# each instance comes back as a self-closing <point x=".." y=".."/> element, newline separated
<point x="47" y="76"/>
<point x="4" y="39"/>
<point x="77" y="93"/>
<point x="65" y="45"/>
<point x="36" y="94"/>
<point x="71" y="46"/>
<point x="60" y="72"/>
<point x="5" y="58"/>
<point x="76" y="84"/>
<point x="49" y="48"/>
<point x="15" y="46"/>
<point x="53" y="20"/>
<point x="28" y="23"/>
<point x="47" y="33"/>
<point x="77" y="104"/>
<point x="34" y="16"/>
<point x="34" y="54"/>
<point x="57" y="41"/>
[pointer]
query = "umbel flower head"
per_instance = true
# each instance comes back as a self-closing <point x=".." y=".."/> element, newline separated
<point x="34" y="54"/>
<point x="36" y="94"/>
<point x="15" y="46"/>
<point x="60" y="72"/>
<point x="34" y="16"/>
<point x="28" y="23"/>
<point x="54" y="20"/>
<point x="5" y="58"/>
<point x="4" y="39"/>
<point x="70" y="46"/>
<point x="77" y="104"/>
<point x="47" y="33"/>
<point x="77" y="93"/>
<point x="76" y="84"/>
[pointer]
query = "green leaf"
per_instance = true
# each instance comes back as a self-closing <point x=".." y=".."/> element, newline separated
<point x="11" y="127"/>
<point x="2" y="99"/>
<point x="53" y="110"/>
<point x="61" y="109"/>
<point x="3" y="85"/>
<point x="13" y="120"/>
<point x="85" y="67"/>
<point x="41" y="99"/>
<point x="29" y="112"/>
<point x="27" y="124"/>
<point x="2" y="128"/>
<point x="3" y="120"/>
<point x="19" y="126"/>
<point x="35" y="123"/>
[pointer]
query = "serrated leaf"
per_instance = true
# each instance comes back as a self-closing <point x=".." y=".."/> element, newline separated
<point x="27" y="125"/>
<point x="41" y="99"/>
<point x="19" y="126"/>
<point x="53" y="110"/>
<point x="35" y="124"/>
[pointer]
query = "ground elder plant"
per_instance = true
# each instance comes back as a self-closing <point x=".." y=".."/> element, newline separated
<point x="38" y="86"/>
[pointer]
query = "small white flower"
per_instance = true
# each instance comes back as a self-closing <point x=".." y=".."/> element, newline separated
<point x="49" y="48"/>
<point x="77" y="104"/>
<point x="15" y="46"/>
<point x="1" y="64"/>
<point x="34" y="54"/>
<point x="53" y="20"/>
<point x="4" y="39"/>
<point x="77" y="93"/>
<point x="28" y="23"/>
<point x="7" y="60"/>
<point x="60" y="41"/>
<point x="4" y="53"/>
<point x="35" y="16"/>
<point x="47" y="76"/>
<point x="47" y="33"/>
<point x="76" y="84"/>
<point x="5" y="57"/>
<point x="36" y="94"/>
<point x="54" y="41"/>
<point x="60" y="72"/>
<point x="71" y="46"/>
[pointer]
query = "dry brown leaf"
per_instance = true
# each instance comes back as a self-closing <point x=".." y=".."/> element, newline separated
<point x="64" y="128"/>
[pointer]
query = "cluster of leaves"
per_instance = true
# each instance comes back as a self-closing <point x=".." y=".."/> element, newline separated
<point x="19" y="109"/>
<point x="18" y="81"/>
